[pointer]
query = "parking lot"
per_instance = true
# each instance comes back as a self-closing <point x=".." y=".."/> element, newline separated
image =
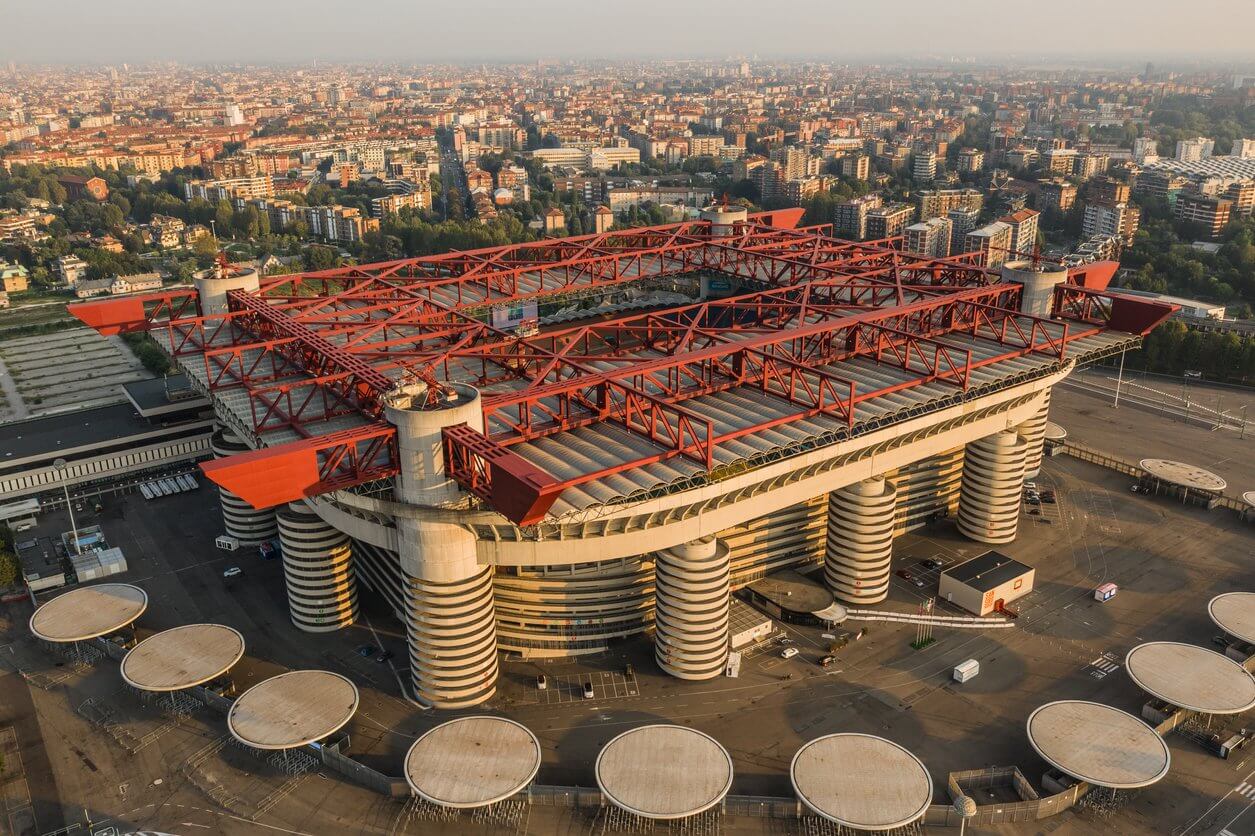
<point x="606" y="685"/>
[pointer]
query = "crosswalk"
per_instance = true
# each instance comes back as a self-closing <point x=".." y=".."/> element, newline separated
<point x="1103" y="665"/>
<point x="1245" y="789"/>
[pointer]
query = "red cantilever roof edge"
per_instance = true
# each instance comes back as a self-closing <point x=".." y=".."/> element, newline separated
<point x="270" y="476"/>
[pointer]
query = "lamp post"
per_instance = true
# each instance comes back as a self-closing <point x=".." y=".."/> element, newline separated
<point x="60" y="464"/>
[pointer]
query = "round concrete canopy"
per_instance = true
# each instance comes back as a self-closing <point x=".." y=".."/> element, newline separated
<point x="472" y="762"/>
<point x="1191" y="677"/>
<point x="1249" y="498"/>
<point x="664" y="772"/>
<point x="182" y="657"/>
<point x="1234" y="612"/>
<point x="861" y="781"/>
<point x="1054" y="432"/>
<point x="292" y="709"/>
<point x="89" y="612"/>
<point x="1098" y="744"/>
<point x="1185" y="475"/>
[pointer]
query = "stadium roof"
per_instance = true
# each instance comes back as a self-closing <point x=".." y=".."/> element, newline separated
<point x="827" y="340"/>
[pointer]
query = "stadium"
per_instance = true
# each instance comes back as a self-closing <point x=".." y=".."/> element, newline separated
<point x="544" y="448"/>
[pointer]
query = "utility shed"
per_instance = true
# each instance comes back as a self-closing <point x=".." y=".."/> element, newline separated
<point x="986" y="583"/>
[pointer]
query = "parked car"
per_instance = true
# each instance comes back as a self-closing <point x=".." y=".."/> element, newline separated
<point x="918" y="582"/>
<point x="588" y="690"/>
<point x="784" y="640"/>
<point x="385" y="656"/>
<point x="1135" y="489"/>
<point x="629" y="672"/>
<point x="1220" y="641"/>
<point x="827" y="660"/>
<point x="788" y="653"/>
<point x="933" y="564"/>
<point x="542" y="682"/>
<point x="232" y="572"/>
<point x="905" y="575"/>
<point x="366" y="651"/>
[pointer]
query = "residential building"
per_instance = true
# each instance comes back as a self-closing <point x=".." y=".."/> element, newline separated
<point x="1242" y="194"/>
<point x="856" y="166"/>
<point x="137" y="283"/>
<point x="1059" y="160"/>
<point x="850" y="218"/>
<point x="930" y="237"/>
<point x="1243" y="148"/>
<point x="392" y="204"/>
<point x="1210" y="212"/>
<point x="963" y="219"/>
<point x="625" y="198"/>
<point x="1145" y="150"/>
<point x="603" y="219"/>
<point x="1103" y="218"/>
<point x="1085" y="166"/>
<point x="924" y="166"/>
<point x="1055" y="195"/>
<point x="992" y="241"/>
<point x="18" y="227"/>
<point x="555" y="221"/>
<point x="1193" y="150"/>
<point x="934" y="203"/>
<point x="889" y="221"/>
<point x="970" y="160"/>
<point x="14" y="278"/>
<point x="70" y="268"/>
<point x="1109" y="190"/>
<point x="1023" y="231"/>
<point x="244" y="188"/>
<point x="705" y="146"/>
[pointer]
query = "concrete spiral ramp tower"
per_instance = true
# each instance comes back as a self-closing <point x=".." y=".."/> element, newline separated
<point x="691" y="615"/>
<point x="1033" y="431"/>
<point x="993" y="479"/>
<point x="317" y="571"/>
<point x="860" y="541"/>
<point x="240" y="520"/>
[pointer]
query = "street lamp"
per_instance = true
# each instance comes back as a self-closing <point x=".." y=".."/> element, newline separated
<point x="60" y="464"/>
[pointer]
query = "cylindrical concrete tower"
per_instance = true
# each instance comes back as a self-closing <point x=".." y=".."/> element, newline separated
<point x="1033" y="431"/>
<point x="691" y="609"/>
<point x="317" y="570"/>
<point x="724" y="218"/>
<point x="860" y="541"/>
<point x="1039" y="281"/>
<point x="451" y="624"/>
<point x="240" y="520"/>
<point x="993" y="479"/>
<point x="212" y="286"/>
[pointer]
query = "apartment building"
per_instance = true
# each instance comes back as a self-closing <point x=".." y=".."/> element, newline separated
<point x="963" y="219"/>
<point x="924" y="166"/>
<point x="1059" y="160"/>
<point x="705" y="146"/>
<point x="1208" y="211"/>
<point x="992" y="241"/>
<point x="930" y="237"/>
<point x="1104" y="218"/>
<point x="392" y="204"/>
<point x="1193" y="150"/>
<point x="238" y="188"/>
<point x="1023" y="231"/>
<point x="970" y="161"/>
<point x="850" y="217"/>
<point x="1055" y="195"/>
<point x="934" y="203"/>
<point x="889" y="221"/>
<point x="856" y="166"/>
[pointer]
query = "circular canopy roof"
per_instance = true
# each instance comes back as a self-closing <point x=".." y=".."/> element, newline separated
<point x="472" y="762"/>
<point x="861" y="781"/>
<point x="1249" y="498"/>
<point x="1054" y="432"/>
<point x="183" y="657"/>
<point x="664" y="772"/>
<point x="1234" y="612"/>
<point x="292" y="709"/>
<point x="1191" y="677"/>
<point x="1185" y="475"/>
<point x="89" y="612"/>
<point x="1099" y="744"/>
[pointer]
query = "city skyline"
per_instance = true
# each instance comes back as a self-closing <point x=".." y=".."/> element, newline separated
<point x="1117" y="32"/>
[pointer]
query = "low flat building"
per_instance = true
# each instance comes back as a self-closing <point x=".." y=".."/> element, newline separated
<point x="986" y="583"/>
<point x="790" y="596"/>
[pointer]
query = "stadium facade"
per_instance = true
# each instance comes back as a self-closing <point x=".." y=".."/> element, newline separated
<point x="542" y="448"/>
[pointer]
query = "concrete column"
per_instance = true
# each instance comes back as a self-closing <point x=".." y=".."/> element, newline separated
<point x="212" y="286"/>
<point x="239" y="519"/>
<point x="993" y="479"/>
<point x="450" y="619"/>
<point x="1039" y="281"/>
<point x="1033" y="431"/>
<point x="317" y="571"/>
<point x="861" y="520"/>
<point x="691" y="608"/>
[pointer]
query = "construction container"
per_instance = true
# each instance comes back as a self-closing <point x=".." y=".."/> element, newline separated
<point x="966" y="670"/>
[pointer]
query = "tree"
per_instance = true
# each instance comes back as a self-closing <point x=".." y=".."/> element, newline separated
<point x="223" y="216"/>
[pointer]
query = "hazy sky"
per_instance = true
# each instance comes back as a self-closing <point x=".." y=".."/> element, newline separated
<point x="92" y="31"/>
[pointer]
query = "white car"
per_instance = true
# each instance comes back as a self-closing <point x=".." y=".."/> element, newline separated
<point x="232" y="572"/>
<point x="788" y="653"/>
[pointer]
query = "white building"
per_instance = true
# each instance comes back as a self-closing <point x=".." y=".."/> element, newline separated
<point x="1193" y="150"/>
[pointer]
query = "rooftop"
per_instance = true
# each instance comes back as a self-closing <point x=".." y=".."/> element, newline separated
<point x="292" y="709"/>
<point x="1099" y="744"/>
<point x="472" y="762"/>
<point x="88" y="612"/>
<point x="861" y="781"/>
<point x="792" y="591"/>
<point x="182" y="657"/>
<point x="1234" y="612"/>
<point x="1185" y="475"/>
<point x="664" y="772"/>
<point x="987" y="571"/>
